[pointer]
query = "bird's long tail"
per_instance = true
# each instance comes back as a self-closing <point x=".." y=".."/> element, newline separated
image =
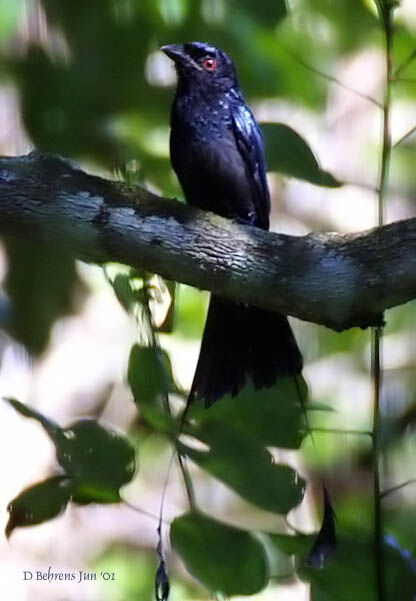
<point x="242" y="343"/>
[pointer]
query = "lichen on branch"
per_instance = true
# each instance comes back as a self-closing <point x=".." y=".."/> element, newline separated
<point x="338" y="280"/>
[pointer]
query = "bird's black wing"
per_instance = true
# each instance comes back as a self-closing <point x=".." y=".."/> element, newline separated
<point x="250" y="145"/>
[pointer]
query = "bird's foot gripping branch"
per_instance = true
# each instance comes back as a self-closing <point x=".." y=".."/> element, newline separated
<point x="340" y="281"/>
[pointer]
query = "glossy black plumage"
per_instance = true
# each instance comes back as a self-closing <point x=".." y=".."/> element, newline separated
<point x="217" y="153"/>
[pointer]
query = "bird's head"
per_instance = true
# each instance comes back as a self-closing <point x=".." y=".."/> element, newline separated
<point x="203" y="65"/>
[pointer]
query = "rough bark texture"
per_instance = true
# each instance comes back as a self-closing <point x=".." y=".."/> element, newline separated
<point x="336" y="280"/>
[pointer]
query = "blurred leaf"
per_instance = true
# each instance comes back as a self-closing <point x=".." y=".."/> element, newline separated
<point x="73" y="114"/>
<point x="405" y="62"/>
<point x="350" y="571"/>
<point x="329" y="342"/>
<point x="39" y="503"/>
<point x="146" y="373"/>
<point x="40" y="282"/>
<point x="296" y="544"/>
<point x="351" y="26"/>
<point x="292" y="81"/>
<point x="135" y="571"/>
<point x="150" y="379"/>
<point x="402" y="524"/>
<point x="10" y="10"/>
<point x="190" y="311"/>
<point x="99" y="461"/>
<point x="316" y="406"/>
<point x="288" y="153"/>
<point x="272" y="416"/>
<point x="325" y="542"/>
<point x="262" y="11"/>
<point x="124" y="292"/>
<point x="225" y="559"/>
<point x="245" y="466"/>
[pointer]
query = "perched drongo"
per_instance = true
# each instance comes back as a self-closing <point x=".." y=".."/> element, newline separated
<point x="217" y="153"/>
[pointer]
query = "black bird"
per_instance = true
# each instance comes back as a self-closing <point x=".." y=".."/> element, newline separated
<point x="217" y="153"/>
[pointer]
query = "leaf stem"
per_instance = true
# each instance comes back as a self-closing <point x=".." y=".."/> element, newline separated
<point x="387" y="145"/>
<point x="386" y="13"/>
<point x="187" y="481"/>
<point x="378" y="518"/>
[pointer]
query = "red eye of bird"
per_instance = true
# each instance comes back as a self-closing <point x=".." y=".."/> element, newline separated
<point x="209" y="63"/>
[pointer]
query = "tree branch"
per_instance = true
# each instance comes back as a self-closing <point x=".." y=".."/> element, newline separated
<point x="332" y="279"/>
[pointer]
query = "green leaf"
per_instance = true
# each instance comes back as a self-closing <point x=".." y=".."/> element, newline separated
<point x="350" y="572"/>
<point x="39" y="503"/>
<point x="50" y="426"/>
<point x="385" y="7"/>
<point x="150" y="378"/>
<point x="317" y="406"/>
<point x="263" y="12"/>
<point x="146" y="373"/>
<point x="298" y="544"/>
<point x="225" y="559"/>
<point x="245" y="466"/>
<point x="125" y="294"/>
<point x="288" y="153"/>
<point x="98" y="460"/>
<point x="10" y="14"/>
<point x="272" y="416"/>
<point x="41" y="285"/>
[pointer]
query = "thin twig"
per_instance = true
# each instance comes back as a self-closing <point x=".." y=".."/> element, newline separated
<point x="363" y="185"/>
<point x="342" y="431"/>
<point x="385" y="14"/>
<point x="393" y="489"/>
<point x="304" y="411"/>
<point x="404" y="64"/>
<point x="187" y="481"/>
<point x="405" y="136"/>
<point x="378" y="518"/>
<point x="143" y="511"/>
<point x="181" y="461"/>
<point x="335" y="80"/>
<point x="154" y="341"/>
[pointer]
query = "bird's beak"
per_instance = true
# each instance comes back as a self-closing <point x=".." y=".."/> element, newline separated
<point x="175" y="52"/>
